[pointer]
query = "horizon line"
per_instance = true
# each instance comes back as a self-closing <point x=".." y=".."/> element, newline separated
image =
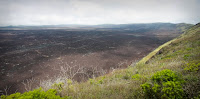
<point x="94" y="24"/>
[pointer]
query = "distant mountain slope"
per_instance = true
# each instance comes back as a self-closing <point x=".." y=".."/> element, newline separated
<point x="147" y="27"/>
<point x="142" y="27"/>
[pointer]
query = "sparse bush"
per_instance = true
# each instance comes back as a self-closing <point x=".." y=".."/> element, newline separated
<point x="126" y="77"/>
<point x="186" y="56"/>
<point x="192" y="66"/>
<point x="128" y="74"/>
<point x="164" y="84"/>
<point x="91" y="81"/>
<point x="69" y="81"/>
<point x="100" y="81"/>
<point x="35" y="94"/>
<point x="96" y="82"/>
<point x="136" y="77"/>
<point x="58" y="86"/>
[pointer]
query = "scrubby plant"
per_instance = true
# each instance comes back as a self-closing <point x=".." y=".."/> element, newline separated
<point x="136" y="77"/>
<point x="172" y="90"/>
<point x="35" y="94"/>
<point x="96" y="82"/>
<point x="100" y="81"/>
<point x="126" y="77"/>
<point x="192" y="66"/>
<point x="186" y="56"/>
<point x="69" y="81"/>
<point x="91" y="81"/>
<point x="164" y="84"/>
<point x="58" y="86"/>
<point x="164" y="76"/>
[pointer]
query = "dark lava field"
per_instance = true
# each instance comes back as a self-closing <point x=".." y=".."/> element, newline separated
<point x="42" y="53"/>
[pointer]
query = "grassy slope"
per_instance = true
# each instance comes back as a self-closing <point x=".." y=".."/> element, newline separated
<point x="181" y="27"/>
<point x="175" y="55"/>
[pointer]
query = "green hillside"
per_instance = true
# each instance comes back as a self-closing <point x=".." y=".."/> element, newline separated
<point x="170" y="72"/>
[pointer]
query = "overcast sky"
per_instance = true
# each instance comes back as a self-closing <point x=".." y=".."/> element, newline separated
<point x="53" y="12"/>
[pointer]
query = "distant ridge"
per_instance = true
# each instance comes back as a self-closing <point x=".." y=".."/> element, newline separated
<point x="131" y="27"/>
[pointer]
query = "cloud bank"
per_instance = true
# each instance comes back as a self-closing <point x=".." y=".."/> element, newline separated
<point x="53" y="12"/>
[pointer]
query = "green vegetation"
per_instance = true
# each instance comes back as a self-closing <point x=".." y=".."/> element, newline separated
<point x="192" y="66"/>
<point x="35" y="94"/>
<point x="170" y="72"/>
<point x="153" y="53"/>
<point x="183" y="26"/>
<point x="164" y="84"/>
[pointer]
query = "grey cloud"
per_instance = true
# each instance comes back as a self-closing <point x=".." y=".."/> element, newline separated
<point x="39" y="12"/>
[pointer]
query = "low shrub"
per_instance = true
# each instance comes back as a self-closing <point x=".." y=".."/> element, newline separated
<point x="136" y="77"/>
<point x="35" y="94"/>
<point x="58" y="86"/>
<point x="97" y="82"/>
<point x="126" y="77"/>
<point x="164" y="84"/>
<point x="186" y="56"/>
<point x="192" y="66"/>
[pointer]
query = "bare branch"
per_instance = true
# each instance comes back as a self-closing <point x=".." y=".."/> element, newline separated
<point x="6" y="89"/>
<point x="28" y="84"/>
